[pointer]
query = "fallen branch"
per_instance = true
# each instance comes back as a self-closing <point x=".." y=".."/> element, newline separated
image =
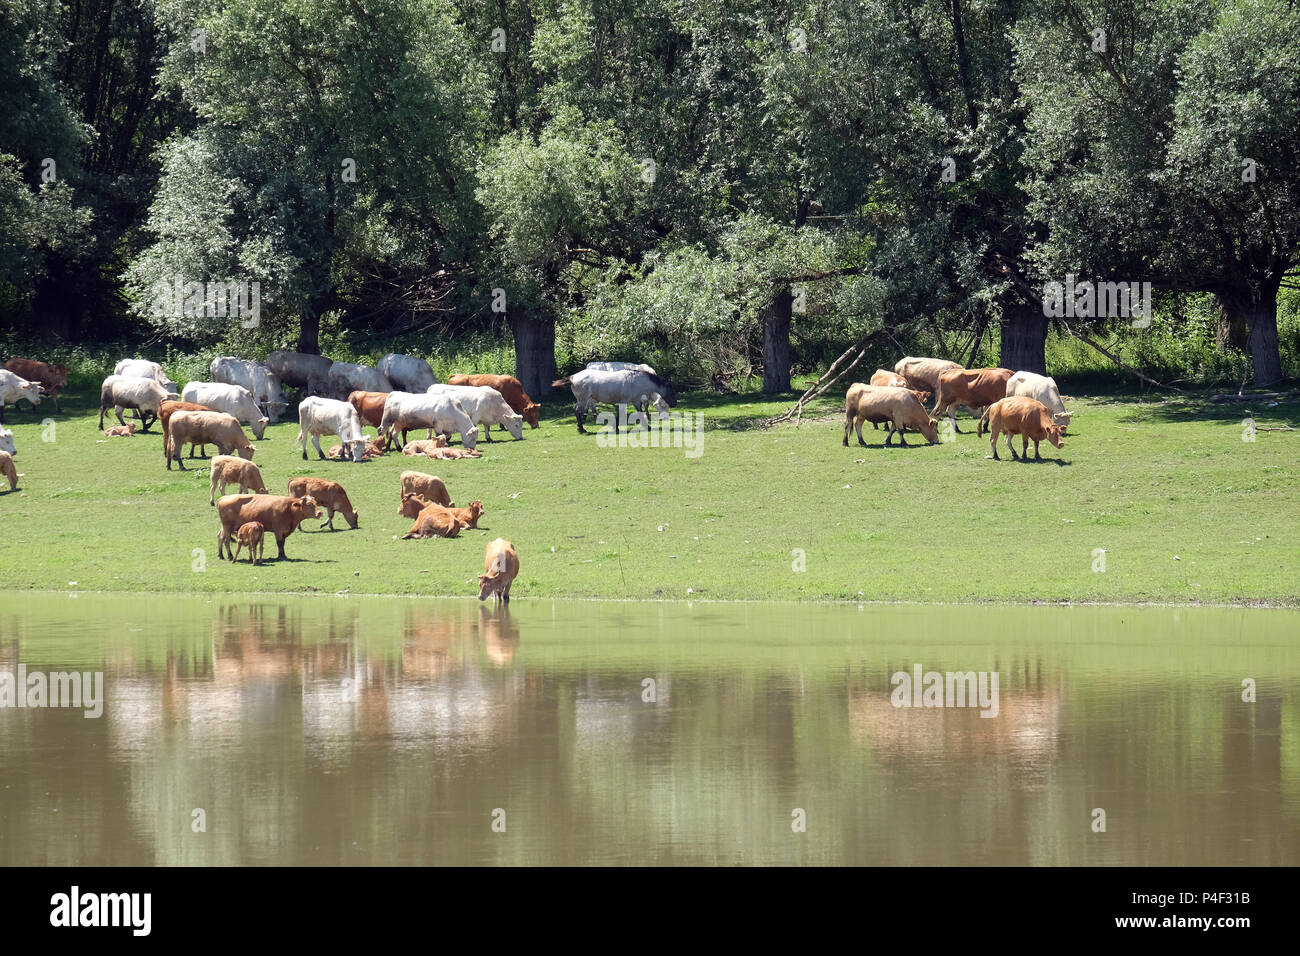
<point x="1128" y="368"/>
<point x="1224" y="397"/>
<point x="836" y="371"/>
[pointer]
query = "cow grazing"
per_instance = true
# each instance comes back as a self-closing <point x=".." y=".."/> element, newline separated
<point x="485" y="406"/>
<point x="206" y="428"/>
<point x="880" y="377"/>
<point x="143" y="394"/>
<point x="347" y="377"/>
<point x="369" y="405"/>
<point x="7" y="441"/>
<point x="13" y="388"/>
<point x="406" y="411"/>
<point x="1042" y="388"/>
<point x="1026" y="417"/>
<point x="232" y="399"/>
<point x="232" y="470"/>
<point x="254" y="376"/>
<point x="276" y="513"/>
<point x="429" y="487"/>
<point x="328" y="495"/>
<point x="431" y="520"/>
<point x="923" y="373"/>
<point x="511" y="390"/>
<point x="121" y="431"/>
<point x="634" y="387"/>
<point x="898" y="406"/>
<point x="51" y="378"/>
<point x="327" y="416"/>
<point x="500" y="568"/>
<point x="300" y="370"/>
<point x="406" y="372"/>
<point x="169" y="408"/>
<point x="974" y="388"/>
<point x="250" y="536"/>
<point x="8" y="470"/>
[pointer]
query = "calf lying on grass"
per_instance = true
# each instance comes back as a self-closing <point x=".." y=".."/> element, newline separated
<point x="120" y="431"/>
<point x="430" y="449"/>
<point x="8" y="470"/>
<point x="501" y="567"/>
<point x="373" y="451"/>
<point x="276" y="513"/>
<point x="250" y="536"/>
<point x="431" y="520"/>
<point x="467" y="517"/>
<point x="230" y="470"/>
<point x="328" y="495"/>
<point x="428" y="487"/>
<point x="1026" y="417"/>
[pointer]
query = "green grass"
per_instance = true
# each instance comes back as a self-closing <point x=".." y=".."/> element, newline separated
<point x="1186" y="511"/>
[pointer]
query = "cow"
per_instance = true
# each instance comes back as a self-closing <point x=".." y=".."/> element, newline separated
<point x="276" y="513"/>
<point x="51" y="378"/>
<point x="406" y="372"/>
<point x="165" y="412"/>
<point x="485" y="406"/>
<point x="429" y="487"/>
<point x="620" y="367"/>
<point x="7" y="441"/>
<point x="431" y="449"/>
<point x="1043" y="389"/>
<point x="431" y="520"/>
<point x="15" y="387"/>
<point x="1026" y="417"/>
<point x="467" y="517"/>
<point x="880" y="377"/>
<point x="143" y="394"/>
<point x="231" y="469"/>
<point x="348" y="377"/>
<point x="207" y="428"/>
<point x="328" y="495"/>
<point x="923" y="373"/>
<point x="501" y="567"/>
<point x="250" y="536"/>
<point x="975" y="388"/>
<point x="254" y="376"/>
<point x="369" y="405"/>
<point x="373" y="451"/>
<point x="300" y="370"/>
<point x="232" y="399"/>
<point x="634" y="387"/>
<point x="405" y="411"/>
<point x="143" y="368"/>
<point x="7" y="470"/>
<point x="898" y="406"/>
<point x="120" y="431"/>
<point x="511" y="390"/>
<point x="327" y="416"/>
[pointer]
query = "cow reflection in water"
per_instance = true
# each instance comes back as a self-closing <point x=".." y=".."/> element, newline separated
<point x="500" y="635"/>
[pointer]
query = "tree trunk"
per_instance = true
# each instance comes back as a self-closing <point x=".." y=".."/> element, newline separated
<point x="534" y="352"/>
<point x="1261" y="317"/>
<point x="1230" y="331"/>
<point x="1024" y="338"/>
<point x="776" y="342"/>
<point x="309" y="331"/>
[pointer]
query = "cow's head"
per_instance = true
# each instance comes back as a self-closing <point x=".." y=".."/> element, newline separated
<point x="258" y="425"/>
<point x="32" y="391"/>
<point x="356" y="448"/>
<point x="514" y="425"/>
<point x="532" y="414"/>
<point x="246" y="452"/>
<point x="305" y="507"/>
<point x="7" y="441"/>
<point x="470" y="438"/>
<point x="475" y="510"/>
<point x="1062" y="419"/>
<point x="486" y="585"/>
<point x="1054" y="433"/>
<point x="412" y="505"/>
<point x="931" y="430"/>
<point x="922" y="395"/>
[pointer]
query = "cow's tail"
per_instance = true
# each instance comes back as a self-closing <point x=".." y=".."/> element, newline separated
<point x="561" y="383"/>
<point x="300" y="440"/>
<point x="984" y="422"/>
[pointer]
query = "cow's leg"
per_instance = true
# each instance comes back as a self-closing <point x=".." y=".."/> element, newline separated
<point x="1037" y="456"/>
<point x="117" y="410"/>
<point x="147" y="419"/>
<point x="279" y="543"/>
<point x="858" y="425"/>
<point x="315" y="440"/>
<point x="952" y="417"/>
<point x="329" y="521"/>
<point x="848" y="427"/>
<point x="898" y="430"/>
<point x="1010" y="446"/>
<point x="993" y="440"/>
<point x="577" y="410"/>
<point x="1024" y="446"/>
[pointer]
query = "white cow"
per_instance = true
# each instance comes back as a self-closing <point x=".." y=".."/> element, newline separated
<point x="325" y="416"/>
<point x="620" y="367"/>
<point x="407" y="372"/>
<point x="627" y="387"/>
<point x="405" y="411"/>
<point x="143" y="368"/>
<point x="126" y="391"/>
<point x="232" y="399"/>
<point x="7" y="441"/>
<point x="14" y="387"/>
<point x="1043" y="388"/>
<point x="255" y="377"/>
<point x="485" y="406"/>
<point x="348" y="377"/>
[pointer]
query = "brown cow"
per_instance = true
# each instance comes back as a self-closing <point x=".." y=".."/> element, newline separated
<point x="51" y="377"/>
<point x="276" y="513"/>
<point x="433" y="450"/>
<point x="511" y="389"/>
<point x="501" y="567"/>
<point x="328" y="495"/>
<point x="975" y="388"/>
<point x="7" y="470"/>
<point x="923" y="373"/>
<point x="413" y="504"/>
<point x="120" y="431"/>
<point x="230" y="469"/>
<point x="898" y="406"/>
<point x="1026" y="417"/>
<point x="880" y="377"/>
<point x="209" y="428"/>
<point x="429" y="487"/>
<point x="373" y="451"/>
<point x="165" y="412"/>
<point x="369" y="405"/>
<point x="250" y="536"/>
<point x="431" y="520"/>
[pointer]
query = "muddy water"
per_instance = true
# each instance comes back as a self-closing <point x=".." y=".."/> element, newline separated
<point x="340" y="730"/>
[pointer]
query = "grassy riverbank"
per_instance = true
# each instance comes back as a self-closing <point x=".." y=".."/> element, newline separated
<point x="1185" y="510"/>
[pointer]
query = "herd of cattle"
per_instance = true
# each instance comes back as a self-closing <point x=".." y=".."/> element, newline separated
<point x="1007" y="403"/>
<point x="402" y="394"/>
